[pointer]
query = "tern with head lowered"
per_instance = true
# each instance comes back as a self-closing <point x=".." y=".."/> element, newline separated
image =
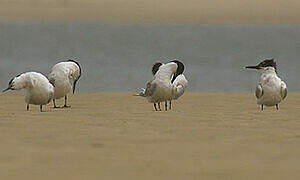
<point x="60" y="76"/>
<point x="178" y="81"/>
<point x="162" y="87"/>
<point x="38" y="89"/>
<point x="271" y="90"/>
<point x="179" y="84"/>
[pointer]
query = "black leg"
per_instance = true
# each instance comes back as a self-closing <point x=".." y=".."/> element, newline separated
<point x="262" y="107"/>
<point x="55" y="104"/>
<point x="166" y="105"/>
<point x="41" y="108"/>
<point x="27" y="107"/>
<point x="159" y="106"/>
<point x="154" y="104"/>
<point x="277" y="107"/>
<point x="170" y="107"/>
<point x="65" y="106"/>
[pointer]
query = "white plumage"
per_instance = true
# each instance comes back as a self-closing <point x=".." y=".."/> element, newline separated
<point x="168" y="83"/>
<point x="161" y="88"/>
<point x="38" y="89"/>
<point x="180" y="85"/>
<point x="60" y="76"/>
<point x="271" y="90"/>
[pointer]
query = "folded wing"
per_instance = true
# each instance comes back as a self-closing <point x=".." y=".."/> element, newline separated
<point x="259" y="91"/>
<point x="283" y="90"/>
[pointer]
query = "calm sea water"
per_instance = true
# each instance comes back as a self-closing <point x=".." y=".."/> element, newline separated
<point x="118" y="58"/>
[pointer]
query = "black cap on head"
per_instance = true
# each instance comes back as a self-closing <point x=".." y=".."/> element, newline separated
<point x="268" y="63"/>
<point x="75" y="81"/>
<point x="264" y="63"/>
<point x="10" y="84"/>
<point x="70" y="60"/>
<point x="156" y="67"/>
<point x="179" y="70"/>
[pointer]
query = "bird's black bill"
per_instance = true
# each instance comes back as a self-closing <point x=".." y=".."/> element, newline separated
<point x="74" y="86"/>
<point x="6" y="89"/>
<point x="253" y="67"/>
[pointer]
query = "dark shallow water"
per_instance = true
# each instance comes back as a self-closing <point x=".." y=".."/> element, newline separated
<point x="118" y="58"/>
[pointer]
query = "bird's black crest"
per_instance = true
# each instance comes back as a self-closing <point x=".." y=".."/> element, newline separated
<point x="180" y="67"/>
<point x="70" y="60"/>
<point x="179" y="70"/>
<point x="156" y="67"/>
<point x="268" y="63"/>
<point x="14" y="78"/>
<point x="10" y="82"/>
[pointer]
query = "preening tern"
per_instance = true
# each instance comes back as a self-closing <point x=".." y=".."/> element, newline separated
<point x="38" y="89"/>
<point x="271" y="90"/>
<point x="61" y="75"/>
<point x="168" y="83"/>
<point x="178" y="80"/>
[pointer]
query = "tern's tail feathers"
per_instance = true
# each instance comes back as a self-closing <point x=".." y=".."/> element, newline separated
<point x="141" y="93"/>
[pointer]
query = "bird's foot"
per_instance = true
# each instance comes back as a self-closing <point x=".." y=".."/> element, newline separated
<point x="65" y="106"/>
<point x="56" y="107"/>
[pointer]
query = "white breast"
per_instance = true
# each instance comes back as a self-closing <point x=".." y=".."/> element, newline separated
<point x="271" y="86"/>
<point x="179" y="86"/>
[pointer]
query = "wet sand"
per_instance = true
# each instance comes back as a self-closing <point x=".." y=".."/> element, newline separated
<point x="119" y="136"/>
<point x="157" y="11"/>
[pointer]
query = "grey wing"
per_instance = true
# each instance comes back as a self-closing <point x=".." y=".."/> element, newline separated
<point x="283" y="90"/>
<point x="259" y="91"/>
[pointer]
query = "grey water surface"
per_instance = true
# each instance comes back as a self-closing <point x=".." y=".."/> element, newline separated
<point x="118" y="58"/>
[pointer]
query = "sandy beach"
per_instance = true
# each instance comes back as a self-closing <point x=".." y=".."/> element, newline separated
<point x="162" y="11"/>
<point x="119" y="136"/>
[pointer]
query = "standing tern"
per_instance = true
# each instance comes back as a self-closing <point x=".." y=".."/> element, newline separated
<point x="38" y="89"/>
<point x="178" y="81"/>
<point x="162" y="88"/>
<point x="61" y="74"/>
<point x="271" y="90"/>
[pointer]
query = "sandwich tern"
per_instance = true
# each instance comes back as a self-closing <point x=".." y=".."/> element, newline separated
<point x="61" y="74"/>
<point x="166" y="85"/>
<point x="271" y="90"/>
<point x="38" y="89"/>
<point x="178" y="81"/>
